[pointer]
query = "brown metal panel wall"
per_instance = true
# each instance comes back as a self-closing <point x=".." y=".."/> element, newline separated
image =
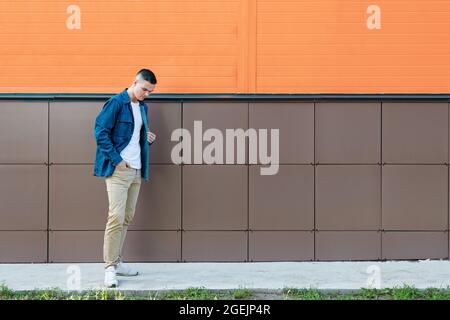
<point x="348" y="132"/>
<point x="24" y="182"/>
<point x="23" y="197"/>
<point x="226" y="212"/>
<point x="75" y="246"/>
<point x="295" y="122"/>
<point x="23" y="246"/>
<point x="77" y="199"/>
<point x="215" y="197"/>
<point x="415" y="245"/>
<point x="151" y="246"/>
<point x="140" y="246"/>
<point x="415" y="197"/>
<point x="348" y="197"/>
<point x="214" y="246"/>
<point x="219" y="115"/>
<point x="284" y="201"/>
<point x="163" y="117"/>
<point x="348" y="245"/>
<point x="24" y="132"/>
<point x="71" y="131"/>
<point x="415" y="132"/>
<point x="415" y="179"/>
<point x="348" y="180"/>
<point x="281" y="245"/>
<point x="159" y="202"/>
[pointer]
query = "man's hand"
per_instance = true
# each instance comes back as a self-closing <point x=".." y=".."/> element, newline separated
<point x="122" y="164"/>
<point x="151" y="137"/>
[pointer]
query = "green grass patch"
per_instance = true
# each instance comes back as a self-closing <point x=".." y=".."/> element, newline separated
<point x="242" y="293"/>
<point x="191" y="294"/>
<point x="398" y="293"/>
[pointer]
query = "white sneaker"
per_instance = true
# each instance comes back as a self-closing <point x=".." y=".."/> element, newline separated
<point x="110" y="277"/>
<point x="125" y="270"/>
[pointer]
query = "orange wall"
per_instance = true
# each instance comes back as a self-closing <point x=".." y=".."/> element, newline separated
<point x="303" y="46"/>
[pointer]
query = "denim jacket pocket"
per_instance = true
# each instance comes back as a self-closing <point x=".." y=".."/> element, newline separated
<point x="123" y="128"/>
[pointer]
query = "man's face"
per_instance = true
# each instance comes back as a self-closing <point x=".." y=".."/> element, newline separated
<point x="142" y="89"/>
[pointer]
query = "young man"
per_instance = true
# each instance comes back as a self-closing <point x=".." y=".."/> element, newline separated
<point x="123" y="138"/>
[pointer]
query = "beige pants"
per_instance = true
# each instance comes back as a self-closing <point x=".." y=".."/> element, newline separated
<point x="123" y="190"/>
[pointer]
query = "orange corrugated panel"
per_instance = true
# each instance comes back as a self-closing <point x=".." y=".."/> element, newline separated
<point x="326" y="46"/>
<point x="226" y="46"/>
<point x="193" y="46"/>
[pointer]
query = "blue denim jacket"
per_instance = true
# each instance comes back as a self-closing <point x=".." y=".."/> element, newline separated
<point x="114" y="127"/>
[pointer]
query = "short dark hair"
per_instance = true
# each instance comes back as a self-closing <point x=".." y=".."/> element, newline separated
<point x="147" y="75"/>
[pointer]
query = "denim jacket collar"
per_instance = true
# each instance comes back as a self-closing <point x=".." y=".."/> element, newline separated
<point x="124" y="96"/>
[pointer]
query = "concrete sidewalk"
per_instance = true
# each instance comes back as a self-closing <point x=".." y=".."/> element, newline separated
<point x="258" y="276"/>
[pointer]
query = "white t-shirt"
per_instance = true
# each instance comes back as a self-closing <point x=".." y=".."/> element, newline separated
<point x="132" y="152"/>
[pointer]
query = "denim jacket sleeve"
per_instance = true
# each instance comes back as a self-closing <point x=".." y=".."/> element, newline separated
<point x="104" y="124"/>
<point x="148" y="121"/>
